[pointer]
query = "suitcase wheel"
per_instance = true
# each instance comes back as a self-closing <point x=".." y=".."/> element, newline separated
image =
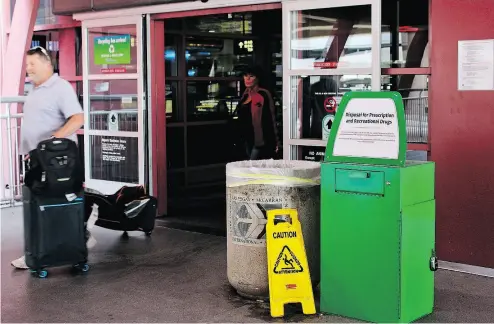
<point x="81" y="267"/>
<point x="40" y="273"/>
<point x="148" y="233"/>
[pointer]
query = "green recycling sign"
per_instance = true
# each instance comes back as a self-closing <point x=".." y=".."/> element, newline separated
<point x="112" y="50"/>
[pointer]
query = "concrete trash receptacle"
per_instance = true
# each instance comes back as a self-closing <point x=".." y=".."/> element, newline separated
<point x="254" y="187"/>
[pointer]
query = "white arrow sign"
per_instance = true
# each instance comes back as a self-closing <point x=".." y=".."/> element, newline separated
<point x="113" y="121"/>
<point x="327" y="123"/>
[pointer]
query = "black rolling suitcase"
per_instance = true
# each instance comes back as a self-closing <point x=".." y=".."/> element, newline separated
<point x="54" y="229"/>
<point x="129" y="209"/>
<point x="54" y="233"/>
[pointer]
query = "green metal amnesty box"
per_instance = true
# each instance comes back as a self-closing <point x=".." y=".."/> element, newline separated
<point x="377" y="215"/>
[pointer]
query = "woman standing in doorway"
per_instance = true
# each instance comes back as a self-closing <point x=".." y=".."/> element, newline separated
<point x="256" y="115"/>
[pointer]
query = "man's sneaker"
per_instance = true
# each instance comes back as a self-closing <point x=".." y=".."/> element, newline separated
<point x="20" y="263"/>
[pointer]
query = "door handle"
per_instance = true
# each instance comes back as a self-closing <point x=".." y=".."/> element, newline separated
<point x="359" y="175"/>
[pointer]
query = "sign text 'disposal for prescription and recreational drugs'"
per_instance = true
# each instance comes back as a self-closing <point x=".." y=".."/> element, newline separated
<point x="368" y="128"/>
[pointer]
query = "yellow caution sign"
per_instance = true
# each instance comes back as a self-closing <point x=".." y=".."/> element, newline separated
<point x="288" y="269"/>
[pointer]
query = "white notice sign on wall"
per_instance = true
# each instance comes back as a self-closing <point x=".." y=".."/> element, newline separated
<point x="476" y="65"/>
<point x="369" y="129"/>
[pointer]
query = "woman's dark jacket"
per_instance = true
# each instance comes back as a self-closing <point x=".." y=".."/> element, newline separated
<point x="261" y="99"/>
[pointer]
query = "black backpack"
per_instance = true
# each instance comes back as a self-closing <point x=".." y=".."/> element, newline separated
<point x="55" y="168"/>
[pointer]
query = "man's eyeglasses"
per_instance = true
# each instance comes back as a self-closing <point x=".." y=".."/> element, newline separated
<point x="38" y="49"/>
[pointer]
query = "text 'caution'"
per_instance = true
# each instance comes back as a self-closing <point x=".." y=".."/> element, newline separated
<point x="278" y="235"/>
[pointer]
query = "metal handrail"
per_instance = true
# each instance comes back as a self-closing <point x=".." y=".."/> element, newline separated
<point x="14" y="181"/>
<point x="116" y="111"/>
<point x="13" y="99"/>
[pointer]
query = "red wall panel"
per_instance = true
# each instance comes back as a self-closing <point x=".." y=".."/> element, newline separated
<point x="67" y="7"/>
<point x="462" y="137"/>
<point x="67" y="52"/>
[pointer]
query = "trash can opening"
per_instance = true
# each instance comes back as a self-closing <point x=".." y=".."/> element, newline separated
<point x="274" y="172"/>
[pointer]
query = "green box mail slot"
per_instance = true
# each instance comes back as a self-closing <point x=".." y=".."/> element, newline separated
<point x="358" y="181"/>
<point x="377" y="216"/>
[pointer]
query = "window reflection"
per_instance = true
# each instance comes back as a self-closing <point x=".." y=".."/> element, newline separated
<point x="332" y="37"/>
<point x="405" y="37"/>
<point x="113" y="105"/>
<point x="232" y="23"/>
<point x="44" y="15"/>
<point x="213" y="57"/>
<point x="341" y="37"/>
<point x="414" y="90"/>
<point x="316" y="96"/>
<point x="171" y="57"/>
<point x="173" y="111"/>
<point x="211" y="100"/>
<point x="412" y="51"/>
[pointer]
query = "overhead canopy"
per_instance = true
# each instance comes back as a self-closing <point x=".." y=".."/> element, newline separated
<point x="69" y="7"/>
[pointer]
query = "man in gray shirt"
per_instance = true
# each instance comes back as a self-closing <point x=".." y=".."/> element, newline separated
<point x="51" y="109"/>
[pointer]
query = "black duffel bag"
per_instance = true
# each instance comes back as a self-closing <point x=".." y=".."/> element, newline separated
<point x="128" y="209"/>
<point x="55" y="168"/>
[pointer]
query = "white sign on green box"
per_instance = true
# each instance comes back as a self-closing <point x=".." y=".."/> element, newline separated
<point x="369" y="128"/>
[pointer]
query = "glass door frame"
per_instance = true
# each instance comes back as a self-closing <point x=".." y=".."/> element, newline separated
<point x="289" y="115"/>
<point x="105" y="186"/>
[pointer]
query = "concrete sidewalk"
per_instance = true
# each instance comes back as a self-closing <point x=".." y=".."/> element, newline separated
<point x="175" y="276"/>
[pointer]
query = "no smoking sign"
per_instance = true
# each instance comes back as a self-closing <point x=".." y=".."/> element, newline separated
<point x="330" y="104"/>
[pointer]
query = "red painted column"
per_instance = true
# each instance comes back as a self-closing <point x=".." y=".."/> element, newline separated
<point x="67" y="55"/>
<point x="462" y="133"/>
<point x="158" y="136"/>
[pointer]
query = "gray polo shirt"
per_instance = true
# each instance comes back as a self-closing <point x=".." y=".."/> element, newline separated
<point x="46" y="109"/>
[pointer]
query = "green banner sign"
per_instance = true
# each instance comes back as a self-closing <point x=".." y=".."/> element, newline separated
<point x="112" y="50"/>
